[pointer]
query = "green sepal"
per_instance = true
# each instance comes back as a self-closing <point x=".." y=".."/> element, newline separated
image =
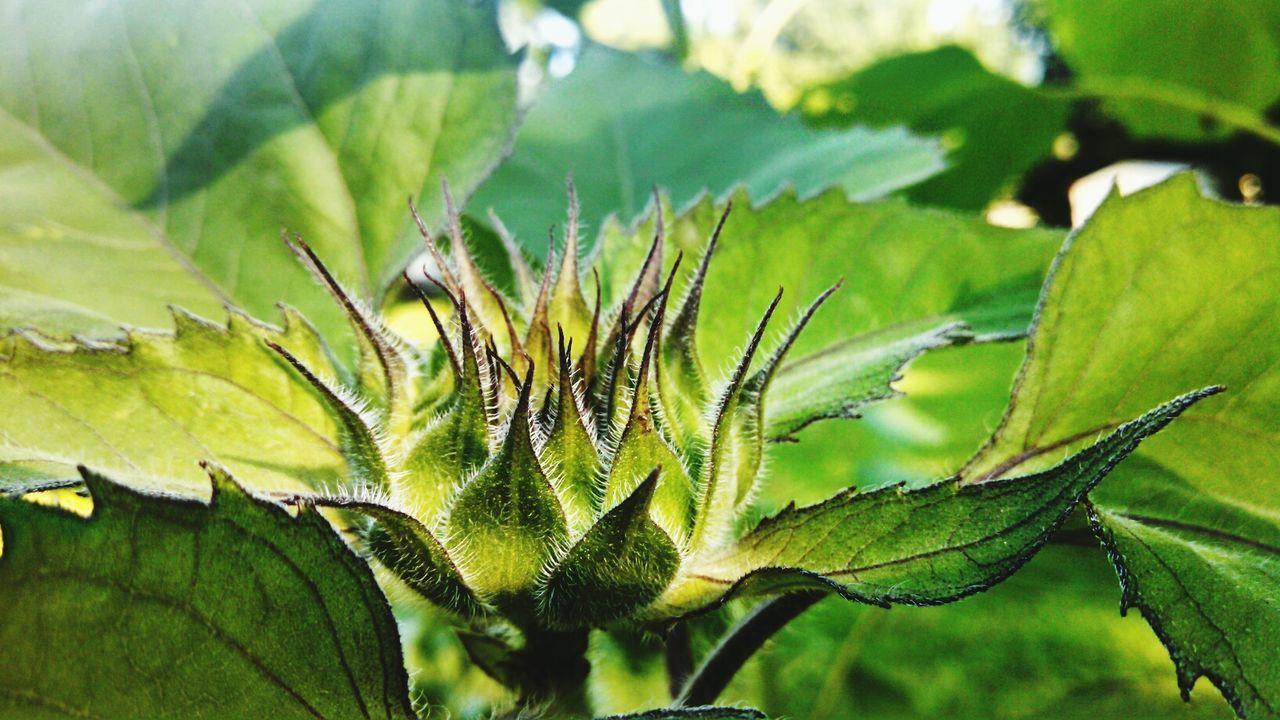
<point x="408" y="549"/>
<point x="749" y="411"/>
<point x="507" y="521"/>
<point x="450" y="447"/>
<point x="384" y="365"/>
<point x="717" y="487"/>
<point x="359" y="440"/>
<point x="469" y="282"/>
<point x="570" y="453"/>
<point x="642" y="447"/>
<point x="566" y="307"/>
<point x="682" y="382"/>
<point x="621" y="564"/>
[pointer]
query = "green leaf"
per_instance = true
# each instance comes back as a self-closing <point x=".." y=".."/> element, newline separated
<point x="148" y="408"/>
<point x="910" y="275"/>
<point x="918" y="547"/>
<point x="622" y="123"/>
<point x="1206" y="73"/>
<point x="167" y="608"/>
<point x="837" y="380"/>
<point x="1160" y="292"/>
<point x="1051" y="645"/>
<point x="995" y="128"/>
<point x="165" y="146"/>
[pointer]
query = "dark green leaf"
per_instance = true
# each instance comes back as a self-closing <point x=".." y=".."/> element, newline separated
<point x="918" y="547"/>
<point x="694" y="713"/>
<point x="1045" y="643"/>
<point x="995" y="128"/>
<point x="165" y="608"/>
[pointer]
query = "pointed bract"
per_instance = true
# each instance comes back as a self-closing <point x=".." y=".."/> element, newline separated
<point x="620" y="565"/>
<point x="507" y="521"/>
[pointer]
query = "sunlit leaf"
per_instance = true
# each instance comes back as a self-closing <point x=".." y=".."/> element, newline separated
<point x="163" y="148"/>
<point x="1161" y="292"/>
<point x="148" y="408"/>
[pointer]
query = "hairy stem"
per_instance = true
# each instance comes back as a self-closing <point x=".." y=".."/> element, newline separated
<point x="739" y="643"/>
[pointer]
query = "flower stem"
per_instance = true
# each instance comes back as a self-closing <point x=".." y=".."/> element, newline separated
<point x="738" y="644"/>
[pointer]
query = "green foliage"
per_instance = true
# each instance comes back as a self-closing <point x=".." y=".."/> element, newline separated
<point x="1047" y="642"/>
<point x="920" y="547"/>
<point x="167" y="608"/>
<point x="902" y="267"/>
<point x="1169" y="290"/>
<point x="146" y="408"/>
<point x="164" y="146"/>
<point x="995" y="128"/>
<point x="559" y="482"/>
<point x="622" y="124"/>
<point x="1202" y="76"/>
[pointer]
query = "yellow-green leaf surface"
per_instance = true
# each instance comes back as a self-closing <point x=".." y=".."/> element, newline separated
<point x="917" y="547"/>
<point x="151" y="152"/>
<point x="623" y="123"/>
<point x="163" y="608"/>
<point x="148" y="408"/>
<point x="1162" y="292"/>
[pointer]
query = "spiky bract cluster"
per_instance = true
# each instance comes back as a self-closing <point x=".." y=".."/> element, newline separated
<point x="548" y="462"/>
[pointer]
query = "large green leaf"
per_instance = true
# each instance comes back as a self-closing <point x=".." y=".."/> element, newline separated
<point x="1171" y="68"/>
<point x="163" y="608"/>
<point x="1046" y="643"/>
<point x="927" y="546"/>
<point x="1161" y="292"/>
<point x="623" y="123"/>
<point x="148" y="408"/>
<point x="995" y="128"/>
<point x="160" y="147"/>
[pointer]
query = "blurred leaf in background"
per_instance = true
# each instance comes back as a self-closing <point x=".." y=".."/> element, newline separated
<point x="1168" y="68"/>
<point x="995" y="128"/>
<point x="624" y="123"/>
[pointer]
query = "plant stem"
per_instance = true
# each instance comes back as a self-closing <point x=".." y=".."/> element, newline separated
<point x="739" y="643"/>
<point x="679" y="657"/>
<point x="679" y="31"/>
